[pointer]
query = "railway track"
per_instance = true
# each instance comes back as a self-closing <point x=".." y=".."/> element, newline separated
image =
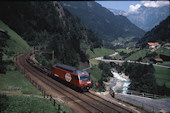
<point x="78" y="102"/>
<point x="113" y="106"/>
<point x="50" y="82"/>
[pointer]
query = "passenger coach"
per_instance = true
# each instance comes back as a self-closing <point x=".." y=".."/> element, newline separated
<point x="76" y="77"/>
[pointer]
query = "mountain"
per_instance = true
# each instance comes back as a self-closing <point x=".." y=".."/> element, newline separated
<point x="104" y="23"/>
<point x="51" y="27"/>
<point x="118" y="12"/>
<point x="159" y="33"/>
<point x="146" y="18"/>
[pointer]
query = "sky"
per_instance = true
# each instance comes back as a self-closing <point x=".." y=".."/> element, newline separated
<point x="130" y="6"/>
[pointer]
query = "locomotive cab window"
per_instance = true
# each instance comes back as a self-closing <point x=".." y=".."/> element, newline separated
<point x="81" y="72"/>
<point x="84" y="78"/>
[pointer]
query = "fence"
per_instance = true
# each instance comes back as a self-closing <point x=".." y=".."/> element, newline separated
<point x="148" y="95"/>
<point x="140" y="103"/>
<point x="45" y="95"/>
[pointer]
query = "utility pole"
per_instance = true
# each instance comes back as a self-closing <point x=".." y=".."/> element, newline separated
<point x="52" y="57"/>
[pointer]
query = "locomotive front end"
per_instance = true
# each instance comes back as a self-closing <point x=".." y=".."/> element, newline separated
<point x="84" y="80"/>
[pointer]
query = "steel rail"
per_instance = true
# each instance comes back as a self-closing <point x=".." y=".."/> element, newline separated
<point x="127" y="110"/>
<point x="45" y="81"/>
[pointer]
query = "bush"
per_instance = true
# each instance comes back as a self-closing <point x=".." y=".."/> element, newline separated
<point x="141" y="76"/>
<point x="3" y="103"/>
<point x="23" y="104"/>
<point x="107" y="57"/>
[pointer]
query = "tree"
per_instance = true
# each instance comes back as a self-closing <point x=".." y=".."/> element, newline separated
<point x="3" y="38"/>
<point x="42" y="24"/>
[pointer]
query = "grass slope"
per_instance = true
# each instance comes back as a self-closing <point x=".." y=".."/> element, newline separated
<point x="23" y="104"/>
<point x="15" y="40"/>
<point x="124" y="50"/>
<point x="142" y="53"/>
<point x="14" y="79"/>
<point x="138" y="54"/>
<point x="95" y="73"/>
<point x="123" y="40"/>
<point x="162" y="76"/>
<point x="163" y="51"/>
<point x="98" y="52"/>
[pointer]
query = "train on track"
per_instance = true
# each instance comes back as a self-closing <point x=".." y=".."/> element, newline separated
<point x="80" y="79"/>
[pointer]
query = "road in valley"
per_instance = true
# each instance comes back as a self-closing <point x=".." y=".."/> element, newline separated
<point x="121" y="61"/>
<point x="153" y="105"/>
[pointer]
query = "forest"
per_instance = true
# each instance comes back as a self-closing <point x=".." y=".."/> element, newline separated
<point x="52" y="28"/>
<point x="3" y="38"/>
<point x="142" y="77"/>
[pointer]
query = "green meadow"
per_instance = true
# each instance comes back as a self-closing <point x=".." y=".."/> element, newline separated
<point x="98" y="52"/>
<point x="28" y="104"/>
<point x="162" y="76"/>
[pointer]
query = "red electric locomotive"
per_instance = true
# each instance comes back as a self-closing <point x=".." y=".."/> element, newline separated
<point x="76" y="77"/>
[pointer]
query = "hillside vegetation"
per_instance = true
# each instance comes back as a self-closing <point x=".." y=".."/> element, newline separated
<point x="159" y="33"/>
<point x="14" y="83"/>
<point x="15" y="40"/>
<point x="26" y="104"/>
<point x="49" y="26"/>
<point x="162" y="76"/>
<point x="12" y="45"/>
<point x="99" y="52"/>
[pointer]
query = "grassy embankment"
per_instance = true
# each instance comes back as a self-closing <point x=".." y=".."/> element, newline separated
<point x="162" y="76"/>
<point x="28" y="104"/>
<point x="14" y="79"/>
<point x="124" y="50"/>
<point x="98" y="52"/>
<point x="118" y="56"/>
<point x="164" y="51"/>
<point x="139" y="54"/>
<point x="15" y="41"/>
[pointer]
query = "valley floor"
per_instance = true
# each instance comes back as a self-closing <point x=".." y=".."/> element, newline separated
<point x="153" y="105"/>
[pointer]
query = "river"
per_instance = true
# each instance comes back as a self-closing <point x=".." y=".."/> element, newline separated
<point x="119" y="84"/>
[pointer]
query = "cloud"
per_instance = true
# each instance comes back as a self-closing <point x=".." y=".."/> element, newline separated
<point x="134" y="8"/>
<point x="155" y="3"/>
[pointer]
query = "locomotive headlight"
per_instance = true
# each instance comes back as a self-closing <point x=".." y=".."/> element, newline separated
<point x="88" y="82"/>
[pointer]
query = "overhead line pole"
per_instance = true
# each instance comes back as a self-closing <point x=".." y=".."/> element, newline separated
<point x="52" y="57"/>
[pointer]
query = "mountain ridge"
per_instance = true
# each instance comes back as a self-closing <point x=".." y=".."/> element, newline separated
<point x="159" y="33"/>
<point x="103" y="22"/>
<point x="146" y="18"/>
<point x="51" y="27"/>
